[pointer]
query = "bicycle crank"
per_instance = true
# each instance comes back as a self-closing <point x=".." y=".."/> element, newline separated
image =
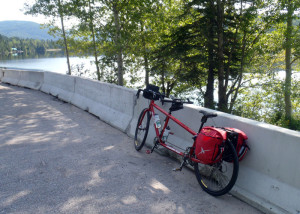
<point x="183" y="163"/>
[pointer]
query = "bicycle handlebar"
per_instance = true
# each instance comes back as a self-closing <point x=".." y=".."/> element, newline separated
<point x="163" y="100"/>
<point x="138" y="93"/>
<point x="174" y="100"/>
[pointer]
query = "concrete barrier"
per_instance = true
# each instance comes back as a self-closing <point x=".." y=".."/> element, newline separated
<point x="31" y="79"/>
<point x="59" y="85"/>
<point x="269" y="176"/>
<point x="111" y="103"/>
<point x="1" y="74"/>
<point x="28" y="79"/>
<point x="11" y="76"/>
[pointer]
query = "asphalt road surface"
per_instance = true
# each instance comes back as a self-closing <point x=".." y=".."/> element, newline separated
<point x="56" y="158"/>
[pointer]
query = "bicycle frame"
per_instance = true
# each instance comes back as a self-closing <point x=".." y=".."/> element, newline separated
<point x="216" y="176"/>
<point x="159" y="134"/>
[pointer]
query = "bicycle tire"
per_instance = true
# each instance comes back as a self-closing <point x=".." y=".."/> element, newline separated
<point x="142" y="128"/>
<point x="219" y="178"/>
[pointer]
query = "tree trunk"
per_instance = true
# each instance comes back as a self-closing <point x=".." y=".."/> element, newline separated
<point x="288" y="65"/>
<point x="147" y="71"/>
<point x="163" y="81"/>
<point x="209" y="93"/>
<point x="240" y="77"/>
<point x="222" y="90"/>
<point x="61" y="15"/>
<point x="118" y="43"/>
<point x="146" y="63"/>
<point x="169" y="88"/>
<point x="94" y="41"/>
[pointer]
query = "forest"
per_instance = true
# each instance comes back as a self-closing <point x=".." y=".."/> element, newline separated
<point x="236" y="56"/>
<point x="28" y="47"/>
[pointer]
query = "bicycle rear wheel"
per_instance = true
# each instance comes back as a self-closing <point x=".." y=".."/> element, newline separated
<point x="218" y="179"/>
<point x="141" y="130"/>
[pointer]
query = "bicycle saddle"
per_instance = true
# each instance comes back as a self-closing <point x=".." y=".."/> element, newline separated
<point x="207" y="114"/>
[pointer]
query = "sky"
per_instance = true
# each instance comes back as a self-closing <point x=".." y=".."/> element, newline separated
<point x="11" y="10"/>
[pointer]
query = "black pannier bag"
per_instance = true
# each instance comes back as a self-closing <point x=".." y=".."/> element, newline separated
<point x="151" y="92"/>
<point x="239" y="140"/>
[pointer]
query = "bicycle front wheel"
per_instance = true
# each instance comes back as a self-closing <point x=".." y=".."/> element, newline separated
<point x="218" y="179"/>
<point x="141" y="130"/>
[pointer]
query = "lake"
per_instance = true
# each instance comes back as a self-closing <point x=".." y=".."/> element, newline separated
<point x="54" y="64"/>
<point x="59" y="65"/>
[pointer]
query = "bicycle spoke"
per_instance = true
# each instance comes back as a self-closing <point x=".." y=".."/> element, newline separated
<point x="141" y="131"/>
<point x="217" y="179"/>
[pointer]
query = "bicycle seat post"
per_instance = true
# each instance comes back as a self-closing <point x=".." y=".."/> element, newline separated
<point x="204" y="118"/>
<point x="203" y="121"/>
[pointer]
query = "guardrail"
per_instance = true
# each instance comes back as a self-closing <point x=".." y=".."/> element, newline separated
<point x="269" y="176"/>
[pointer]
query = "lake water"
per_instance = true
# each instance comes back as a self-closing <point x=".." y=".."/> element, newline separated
<point x="57" y="64"/>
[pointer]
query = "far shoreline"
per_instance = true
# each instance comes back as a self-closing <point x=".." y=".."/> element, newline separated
<point x="53" y="50"/>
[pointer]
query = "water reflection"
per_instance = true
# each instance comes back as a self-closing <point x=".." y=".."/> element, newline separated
<point x="16" y="56"/>
<point x="52" y="61"/>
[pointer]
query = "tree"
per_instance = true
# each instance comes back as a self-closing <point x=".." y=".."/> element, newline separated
<point x="158" y="19"/>
<point x="216" y="42"/>
<point x="115" y="34"/>
<point x="83" y="35"/>
<point x="147" y="34"/>
<point x="117" y="37"/>
<point x="109" y="33"/>
<point x="291" y="7"/>
<point x="283" y="53"/>
<point x="125" y="24"/>
<point x="54" y="9"/>
<point x="270" y="96"/>
<point x="263" y="100"/>
<point x="29" y="47"/>
<point x="92" y="28"/>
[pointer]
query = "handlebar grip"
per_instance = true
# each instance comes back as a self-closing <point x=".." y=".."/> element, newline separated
<point x="167" y="101"/>
<point x="188" y="102"/>
<point x="178" y="100"/>
<point x="138" y="93"/>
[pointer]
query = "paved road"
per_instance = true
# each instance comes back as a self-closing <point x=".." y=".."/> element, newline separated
<point x="56" y="158"/>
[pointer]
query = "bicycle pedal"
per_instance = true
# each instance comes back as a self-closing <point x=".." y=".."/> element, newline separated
<point x="177" y="169"/>
<point x="148" y="151"/>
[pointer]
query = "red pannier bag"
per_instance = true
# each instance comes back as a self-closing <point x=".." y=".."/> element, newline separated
<point x="239" y="141"/>
<point x="210" y="145"/>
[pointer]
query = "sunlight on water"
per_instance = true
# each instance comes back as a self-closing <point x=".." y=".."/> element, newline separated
<point x="58" y="65"/>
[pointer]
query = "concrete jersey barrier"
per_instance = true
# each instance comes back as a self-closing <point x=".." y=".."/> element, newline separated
<point x="269" y="176"/>
<point x="112" y="104"/>
<point x="59" y="85"/>
<point x="27" y="79"/>
<point x="1" y="74"/>
<point x="11" y="76"/>
<point x="31" y="79"/>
